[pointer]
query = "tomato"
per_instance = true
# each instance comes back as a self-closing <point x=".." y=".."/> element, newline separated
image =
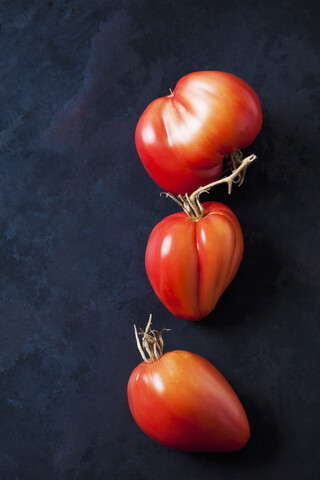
<point x="183" y="137"/>
<point x="190" y="263"/>
<point x="182" y="401"/>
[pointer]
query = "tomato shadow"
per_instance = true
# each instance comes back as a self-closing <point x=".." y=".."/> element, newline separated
<point x="255" y="283"/>
<point x="262" y="205"/>
<point x="262" y="447"/>
<point x="254" y="286"/>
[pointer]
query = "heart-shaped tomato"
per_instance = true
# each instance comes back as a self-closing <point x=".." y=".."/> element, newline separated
<point x="182" y="138"/>
<point x="191" y="262"/>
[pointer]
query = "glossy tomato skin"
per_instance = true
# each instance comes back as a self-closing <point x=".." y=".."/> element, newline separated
<point x="184" y="402"/>
<point x="182" y="138"/>
<point x="190" y="263"/>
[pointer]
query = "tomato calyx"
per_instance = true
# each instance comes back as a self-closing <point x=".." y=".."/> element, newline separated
<point x="152" y="342"/>
<point x="191" y="203"/>
<point x="192" y="207"/>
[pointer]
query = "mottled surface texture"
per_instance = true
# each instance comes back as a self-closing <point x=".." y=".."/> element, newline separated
<point x="76" y="209"/>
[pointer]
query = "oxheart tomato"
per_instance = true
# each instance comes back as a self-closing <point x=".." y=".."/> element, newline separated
<point x="182" y="401"/>
<point x="183" y="137"/>
<point x="190" y="263"/>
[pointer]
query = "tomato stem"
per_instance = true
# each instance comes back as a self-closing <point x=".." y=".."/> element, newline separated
<point x="191" y="203"/>
<point x="232" y="178"/>
<point x="152" y="342"/>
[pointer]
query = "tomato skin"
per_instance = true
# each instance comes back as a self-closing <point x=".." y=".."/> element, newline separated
<point x="182" y="138"/>
<point x="184" y="402"/>
<point x="190" y="263"/>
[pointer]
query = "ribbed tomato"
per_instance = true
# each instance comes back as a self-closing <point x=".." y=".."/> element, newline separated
<point x="183" y="137"/>
<point x="182" y="401"/>
<point x="191" y="262"/>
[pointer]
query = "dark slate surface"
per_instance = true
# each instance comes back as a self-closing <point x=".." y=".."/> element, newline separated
<point x="76" y="209"/>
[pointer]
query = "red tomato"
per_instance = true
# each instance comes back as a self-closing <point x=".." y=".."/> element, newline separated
<point x="190" y="263"/>
<point x="183" y="137"/>
<point x="183" y="402"/>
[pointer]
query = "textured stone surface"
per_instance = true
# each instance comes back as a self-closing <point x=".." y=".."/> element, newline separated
<point x="76" y="209"/>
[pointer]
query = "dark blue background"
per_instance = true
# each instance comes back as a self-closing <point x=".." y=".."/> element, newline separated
<point x="76" y="209"/>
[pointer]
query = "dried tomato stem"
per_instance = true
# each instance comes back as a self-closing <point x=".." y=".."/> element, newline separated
<point x="229" y="180"/>
<point x="171" y="93"/>
<point x="191" y="203"/>
<point x="152" y="342"/>
<point x="175" y="199"/>
<point x="139" y="346"/>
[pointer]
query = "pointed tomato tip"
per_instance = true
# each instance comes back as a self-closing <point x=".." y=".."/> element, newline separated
<point x="243" y="435"/>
